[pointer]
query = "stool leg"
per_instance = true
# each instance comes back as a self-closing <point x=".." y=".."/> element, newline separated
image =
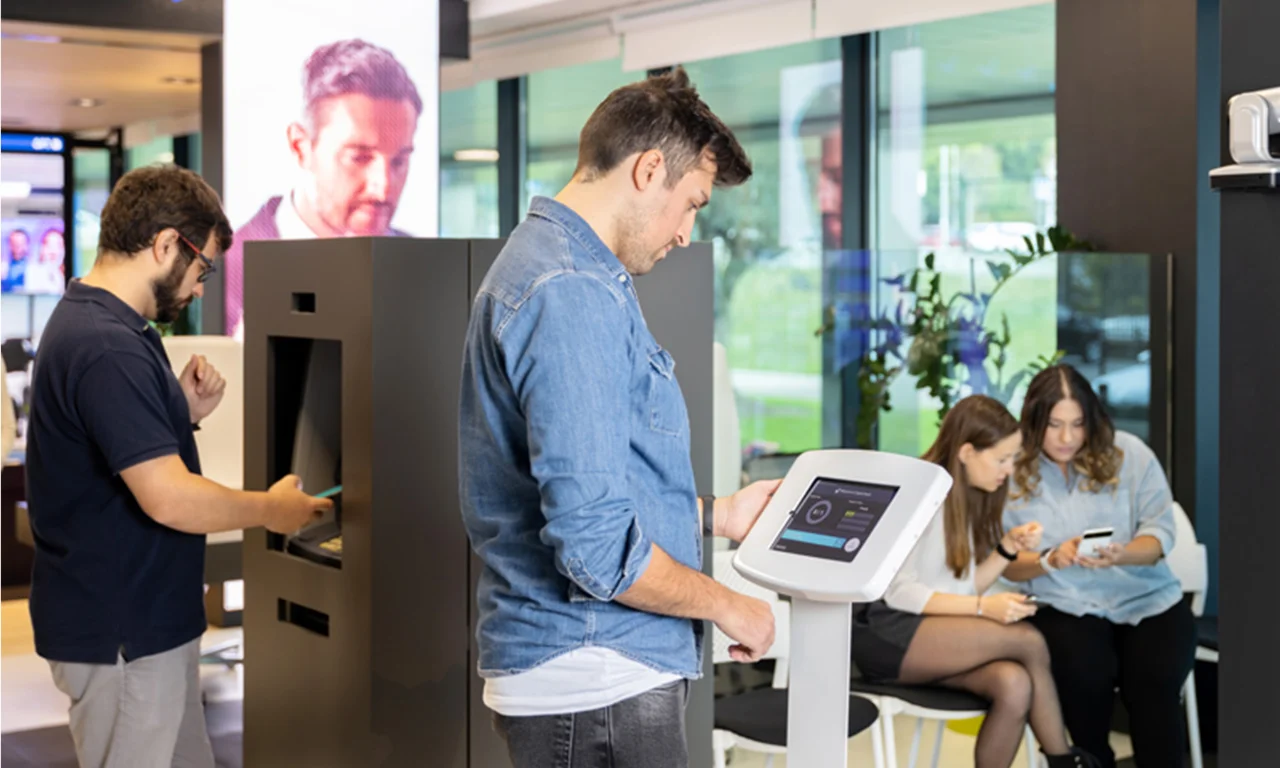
<point x="1033" y="747"/>
<point x="937" y="743"/>
<point x="915" y="743"/>
<point x="877" y="743"/>
<point x="1193" y="721"/>
<point x="890" y="736"/>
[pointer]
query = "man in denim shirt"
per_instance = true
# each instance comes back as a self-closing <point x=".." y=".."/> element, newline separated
<point x="576" y="483"/>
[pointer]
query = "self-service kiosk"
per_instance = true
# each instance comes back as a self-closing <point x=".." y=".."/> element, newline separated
<point x="359" y="629"/>
<point x="835" y="533"/>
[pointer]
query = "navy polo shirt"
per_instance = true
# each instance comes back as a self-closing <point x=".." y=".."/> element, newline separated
<point x="107" y="579"/>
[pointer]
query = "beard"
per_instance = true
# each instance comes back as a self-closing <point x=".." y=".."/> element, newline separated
<point x="633" y="249"/>
<point x="165" y="291"/>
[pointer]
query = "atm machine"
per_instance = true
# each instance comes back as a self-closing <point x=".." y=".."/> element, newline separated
<point x="359" y="629"/>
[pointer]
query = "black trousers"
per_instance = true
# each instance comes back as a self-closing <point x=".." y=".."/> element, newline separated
<point x="1149" y="663"/>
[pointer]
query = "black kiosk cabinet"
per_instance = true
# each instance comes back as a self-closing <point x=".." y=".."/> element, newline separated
<point x="359" y="630"/>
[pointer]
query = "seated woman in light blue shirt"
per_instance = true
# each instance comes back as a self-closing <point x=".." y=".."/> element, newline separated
<point x="1113" y="617"/>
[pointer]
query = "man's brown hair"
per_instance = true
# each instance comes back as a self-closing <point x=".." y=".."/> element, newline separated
<point x="154" y="198"/>
<point x="662" y="112"/>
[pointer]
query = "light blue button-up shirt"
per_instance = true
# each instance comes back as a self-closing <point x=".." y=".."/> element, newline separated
<point x="574" y="447"/>
<point x="1142" y="505"/>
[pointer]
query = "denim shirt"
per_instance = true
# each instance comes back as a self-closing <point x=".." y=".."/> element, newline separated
<point x="1141" y="505"/>
<point x="574" y="448"/>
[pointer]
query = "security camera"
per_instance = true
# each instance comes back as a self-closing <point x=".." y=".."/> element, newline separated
<point x="1254" y="133"/>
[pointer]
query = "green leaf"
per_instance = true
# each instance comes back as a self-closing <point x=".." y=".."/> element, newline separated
<point x="1031" y="248"/>
<point x="1040" y="243"/>
<point x="929" y="261"/>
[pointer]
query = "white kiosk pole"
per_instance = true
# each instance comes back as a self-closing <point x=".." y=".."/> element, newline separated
<point x="818" y="699"/>
<point x="835" y="533"/>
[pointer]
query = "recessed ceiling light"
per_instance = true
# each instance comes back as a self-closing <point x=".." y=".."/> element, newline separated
<point x="476" y="156"/>
<point x="173" y="80"/>
<point x="86" y="103"/>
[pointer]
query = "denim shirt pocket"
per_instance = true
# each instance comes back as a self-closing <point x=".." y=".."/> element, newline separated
<point x="666" y="403"/>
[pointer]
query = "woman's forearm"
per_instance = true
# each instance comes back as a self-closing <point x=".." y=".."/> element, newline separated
<point x="944" y="604"/>
<point x="988" y="571"/>
<point x="1144" y="550"/>
<point x="1025" y="568"/>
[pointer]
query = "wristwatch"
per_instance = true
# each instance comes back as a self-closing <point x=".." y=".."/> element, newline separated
<point x="708" y="516"/>
<point x="1044" y="560"/>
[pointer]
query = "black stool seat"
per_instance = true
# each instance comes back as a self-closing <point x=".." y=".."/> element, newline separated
<point x="761" y="715"/>
<point x="926" y="696"/>
<point x="1207" y="632"/>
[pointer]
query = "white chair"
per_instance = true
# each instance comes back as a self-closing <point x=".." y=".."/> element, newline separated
<point x="762" y="714"/>
<point x="926" y="702"/>
<point x="1189" y="561"/>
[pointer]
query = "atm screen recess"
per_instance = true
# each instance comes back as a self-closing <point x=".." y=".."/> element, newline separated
<point x="306" y="438"/>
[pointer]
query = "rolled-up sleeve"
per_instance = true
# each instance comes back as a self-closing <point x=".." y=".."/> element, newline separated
<point x="568" y="354"/>
<point x="1153" y="503"/>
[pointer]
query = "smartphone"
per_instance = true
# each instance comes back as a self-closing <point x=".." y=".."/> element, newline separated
<point x="1032" y="599"/>
<point x="1095" y="540"/>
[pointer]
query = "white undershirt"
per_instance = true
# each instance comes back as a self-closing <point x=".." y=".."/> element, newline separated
<point x="579" y="681"/>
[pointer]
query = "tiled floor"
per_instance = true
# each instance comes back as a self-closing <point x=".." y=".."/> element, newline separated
<point x="29" y="701"/>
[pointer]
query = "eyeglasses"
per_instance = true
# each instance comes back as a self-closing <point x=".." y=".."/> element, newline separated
<point x="207" y="266"/>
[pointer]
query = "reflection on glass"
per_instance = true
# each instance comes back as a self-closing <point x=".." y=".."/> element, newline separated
<point x="964" y="323"/>
<point x="769" y="234"/>
<point x="559" y="103"/>
<point x="158" y="150"/>
<point x="469" y="161"/>
<point x="93" y="183"/>
<point x="965" y="155"/>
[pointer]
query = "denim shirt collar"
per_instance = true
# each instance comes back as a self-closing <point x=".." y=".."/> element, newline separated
<point x="578" y="228"/>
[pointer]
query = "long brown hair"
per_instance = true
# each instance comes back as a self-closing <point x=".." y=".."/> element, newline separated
<point x="982" y="422"/>
<point x="1099" y="459"/>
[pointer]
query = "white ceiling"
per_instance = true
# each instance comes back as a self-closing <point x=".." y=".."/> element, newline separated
<point x="45" y="68"/>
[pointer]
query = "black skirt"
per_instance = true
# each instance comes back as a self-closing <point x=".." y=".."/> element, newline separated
<point x="881" y="636"/>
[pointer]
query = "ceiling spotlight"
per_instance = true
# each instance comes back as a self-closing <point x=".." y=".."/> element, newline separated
<point x="476" y="156"/>
<point x="86" y="103"/>
<point x="173" y="80"/>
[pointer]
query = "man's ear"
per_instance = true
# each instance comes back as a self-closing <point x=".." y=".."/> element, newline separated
<point x="649" y="169"/>
<point x="166" y="247"/>
<point x="299" y="144"/>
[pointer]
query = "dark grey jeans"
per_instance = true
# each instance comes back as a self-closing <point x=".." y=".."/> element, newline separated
<point x="646" y="731"/>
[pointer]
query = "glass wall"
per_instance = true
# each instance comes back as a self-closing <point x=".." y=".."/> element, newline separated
<point x="559" y="103"/>
<point x="769" y="234"/>
<point x="92" y="170"/>
<point x="469" y="161"/>
<point x="964" y="166"/>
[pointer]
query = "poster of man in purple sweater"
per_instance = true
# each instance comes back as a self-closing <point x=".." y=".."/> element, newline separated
<point x="352" y="145"/>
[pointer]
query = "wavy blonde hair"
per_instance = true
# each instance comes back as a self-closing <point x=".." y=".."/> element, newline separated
<point x="1098" y="461"/>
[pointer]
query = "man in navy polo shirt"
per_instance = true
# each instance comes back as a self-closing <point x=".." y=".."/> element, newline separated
<point x="118" y="507"/>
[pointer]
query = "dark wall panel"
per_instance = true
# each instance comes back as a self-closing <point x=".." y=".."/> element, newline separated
<point x="1249" y="526"/>
<point x="1127" y="175"/>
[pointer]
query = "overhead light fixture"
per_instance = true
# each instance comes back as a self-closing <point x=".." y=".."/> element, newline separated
<point x="174" y="80"/>
<point x="86" y="103"/>
<point x="476" y="156"/>
<point x="15" y="190"/>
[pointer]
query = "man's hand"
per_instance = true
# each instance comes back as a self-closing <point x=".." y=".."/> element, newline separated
<point x="293" y="508"/>
<point x="749" y="623"/>
<point x="203" y="386"/>
<point x="735" y="515"/>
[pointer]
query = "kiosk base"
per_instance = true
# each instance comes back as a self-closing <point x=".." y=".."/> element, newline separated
<point x="818" y="704"/>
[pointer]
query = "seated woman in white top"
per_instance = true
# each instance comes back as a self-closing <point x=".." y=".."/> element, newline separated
<point x="936" y="625"/>
<point x="1114" y="618"/>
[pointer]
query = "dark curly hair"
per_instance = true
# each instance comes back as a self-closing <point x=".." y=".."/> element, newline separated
<point x="662" y="112"/>
<point x="154" y="198"/>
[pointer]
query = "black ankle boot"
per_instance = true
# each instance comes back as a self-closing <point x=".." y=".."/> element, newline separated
<point x="1076" y="758"/>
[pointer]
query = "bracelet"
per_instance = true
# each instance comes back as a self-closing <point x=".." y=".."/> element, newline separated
<point x="1006" y="554"/>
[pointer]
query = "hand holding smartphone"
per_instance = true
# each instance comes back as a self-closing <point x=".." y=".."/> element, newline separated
<point x="1095" y="540"/>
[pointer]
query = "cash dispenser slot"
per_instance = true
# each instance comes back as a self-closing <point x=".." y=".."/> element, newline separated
<point x="306" y="438"/>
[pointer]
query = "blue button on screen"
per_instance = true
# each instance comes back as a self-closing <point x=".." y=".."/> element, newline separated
<point x="813" y="538"/>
